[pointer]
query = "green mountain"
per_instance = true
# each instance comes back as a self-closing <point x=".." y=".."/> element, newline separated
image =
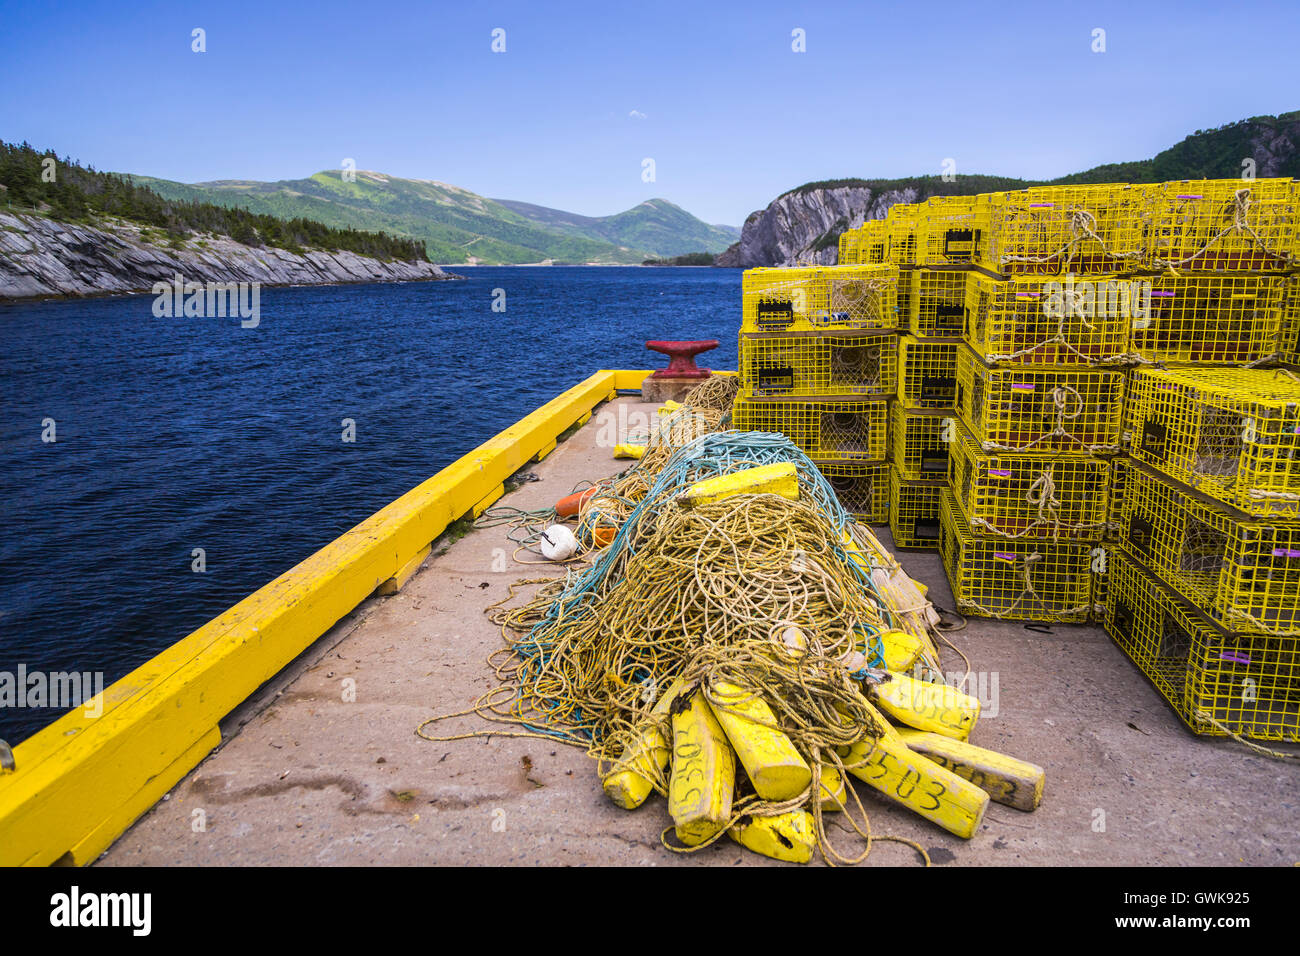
<point x="456" y="225"/>
<point x="656" y="224"/>
<point x="1272" y="143"/>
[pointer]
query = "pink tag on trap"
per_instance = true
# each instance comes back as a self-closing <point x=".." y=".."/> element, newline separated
<point x="1235" y="657"/>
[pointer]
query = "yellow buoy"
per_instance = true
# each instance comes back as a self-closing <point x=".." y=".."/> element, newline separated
<point x="627" y="450"/>
<point x="1006" y="780"/>
<point x="769" y="758"/>
<point x="831" y="790"/>
<point x="629" y="783"/>
<point x="934" y="707"/>
<point x="703" y="774"/>
<point x="918" y="783"/>
<point x="902" y="650"/>
<point x="787" y="836"/>
<point x="779" y="479"/>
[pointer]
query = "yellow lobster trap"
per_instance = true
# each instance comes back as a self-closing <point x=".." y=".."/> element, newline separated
<point x="831" y="430"/>
<point x="927" y="373"/>
<point x="1233" y="434"/>
<point x="900" y="229"/>
<point x="862" y="487"/>
<point x="948" y="230"/>
<point x="1040" y="409"/>
<point x="913" y="512"/>
<point x="1119" y="466"/>
<point x="1290" y="345"/>
<point x="817" y="364"/>
<point x="1208" y="319"/>
<point x="919" y="441"/>
<point x="867" y="244"/>
<point x="1029" y="496"/>
<point x="1225" y="225"/>
<point x="1243" y="572"/>
<point x="1217" y="681"/>
<point x="850" y="247"/>
<point x="821" y="298"/>
<point x="1055" y="230"/>
<point x="1031" y="320"/>
<point x="1018" y="579"/>
<point x="936" y="305"/>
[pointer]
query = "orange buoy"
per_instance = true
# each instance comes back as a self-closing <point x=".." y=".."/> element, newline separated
<point x="570" y="505"/>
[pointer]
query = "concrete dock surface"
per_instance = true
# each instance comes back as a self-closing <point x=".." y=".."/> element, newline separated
<point x="323" y="766"/>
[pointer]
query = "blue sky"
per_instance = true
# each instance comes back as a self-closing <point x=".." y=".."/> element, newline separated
<point x="730" y="114"/>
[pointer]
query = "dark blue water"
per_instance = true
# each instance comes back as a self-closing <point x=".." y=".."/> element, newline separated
<point x="177" y="434"/>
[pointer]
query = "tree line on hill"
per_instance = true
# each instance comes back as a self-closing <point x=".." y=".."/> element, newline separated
<point x="70" y="192"/>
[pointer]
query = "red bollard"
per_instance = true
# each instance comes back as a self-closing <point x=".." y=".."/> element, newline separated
<point x="681" y="375"/>
<point x="682" y="358"/>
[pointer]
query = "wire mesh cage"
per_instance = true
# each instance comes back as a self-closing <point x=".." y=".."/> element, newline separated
<point x="1031" y="320"/>
<point x="867" y="244"/>
<point x="850" y="252"/>
<point x="1209" y="319"/>
<point x="1290" y="332"/>
<point x="919" y="442"/>
<point x="813" y="364"/>
<point x="1039" y="409"/>
<point x="900" y="226"/>
<point x="875" y="242"/>
<point x="1217" y="681"/>
<point x="936" y="306"/>
<point x="1054" y="230"/>
<point x="863" y="489"/>
<point x="1029" y="496"/>
<point x="1233" y="434"/>
<point x="830" y="430"/>
<point x="948" y="230"/>
<point x="1225" y="225"/>
<point x="1115" y="496"/>
<point x="1018" y="579"/>
<point x="823" y="298"/>
<point x="1243" y="572"/>
<point x="913" y="512"/>
<point x="927" y="373"/>
<point x="907" y="284"/>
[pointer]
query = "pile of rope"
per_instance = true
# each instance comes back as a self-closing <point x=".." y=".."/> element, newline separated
<point x="706" y="594"/>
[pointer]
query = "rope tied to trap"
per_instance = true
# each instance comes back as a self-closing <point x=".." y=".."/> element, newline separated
<point x="1239" y="215"/>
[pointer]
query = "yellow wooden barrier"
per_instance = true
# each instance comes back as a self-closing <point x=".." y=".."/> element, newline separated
<point x="79" y="783"/>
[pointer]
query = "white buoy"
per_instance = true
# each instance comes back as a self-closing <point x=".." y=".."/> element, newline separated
<point x="558" y="543"/>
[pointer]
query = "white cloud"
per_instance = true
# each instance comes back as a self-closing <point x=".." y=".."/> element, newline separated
<point x="636" y="114"/>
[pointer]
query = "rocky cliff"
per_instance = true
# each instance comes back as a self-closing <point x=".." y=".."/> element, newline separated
<point x="803" y="226"/>
<point x="41" y="257"/>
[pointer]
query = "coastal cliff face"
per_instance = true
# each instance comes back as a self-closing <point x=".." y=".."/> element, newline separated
<point x="804" y="226"/>
<point x="41" y="257"/>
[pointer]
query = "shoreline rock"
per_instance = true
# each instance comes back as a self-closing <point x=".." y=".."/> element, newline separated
<point x="41" y="258"/>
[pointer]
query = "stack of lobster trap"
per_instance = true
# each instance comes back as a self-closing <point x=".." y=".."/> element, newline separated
<point x="1204" y="594"/>
<point x="819" y="362"/>
<point x="1092" y="416"/>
